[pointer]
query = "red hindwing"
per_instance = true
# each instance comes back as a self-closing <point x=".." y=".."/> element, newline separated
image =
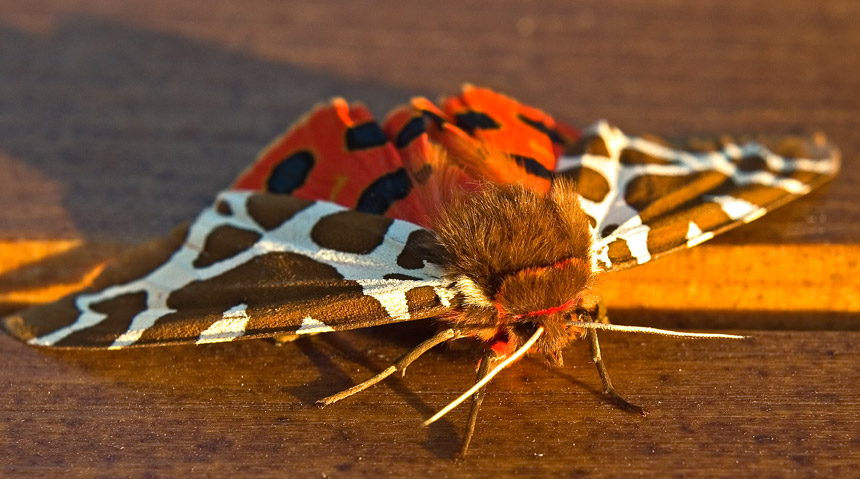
<point x="339" y="153"/>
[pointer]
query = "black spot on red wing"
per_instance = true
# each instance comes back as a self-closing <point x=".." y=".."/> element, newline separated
<point x="271" y="211"/>
<point x="438" y="120"/>
<point x="553" y="135"/>
<point x="364" y="136"/>
<point x="120" y="311"/>
<point x="404" y="277"/>
<point x="387" y="189"/>
<point x="291" y="173"/>
<point x="532" y="166"/>
<point x="421" y="246"/>
<point x="350" y="231"/>
<point x="410" y="131"/>
<point x="224" y="242"/>
<point x="223" y="208"/>
<point x="474" y="120"/>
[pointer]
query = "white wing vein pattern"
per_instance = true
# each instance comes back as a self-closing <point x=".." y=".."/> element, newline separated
<point x="614" y="210"/>
<point x="294" y="235"/>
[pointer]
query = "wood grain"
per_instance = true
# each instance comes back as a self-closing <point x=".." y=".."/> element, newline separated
<point x="120" y="119"/>
<point x="776" y="405"/>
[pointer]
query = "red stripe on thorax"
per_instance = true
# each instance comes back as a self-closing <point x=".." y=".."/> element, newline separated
<point x="537" y="270"/>
<point x="555" y="309"/>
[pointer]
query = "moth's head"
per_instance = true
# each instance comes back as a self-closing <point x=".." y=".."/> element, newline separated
<point x="539" y="296"/>
<point x="545" y="296"/>
<point x="520" y="259"/>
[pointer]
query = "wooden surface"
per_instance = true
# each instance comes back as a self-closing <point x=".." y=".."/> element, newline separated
<point x="120" y="119"/>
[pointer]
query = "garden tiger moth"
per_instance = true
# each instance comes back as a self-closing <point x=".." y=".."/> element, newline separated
<point x="483" y="213"/>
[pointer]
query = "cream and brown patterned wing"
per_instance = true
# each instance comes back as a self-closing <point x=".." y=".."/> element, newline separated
<point x="252" y="265"/>
<point x="648" y="197"/>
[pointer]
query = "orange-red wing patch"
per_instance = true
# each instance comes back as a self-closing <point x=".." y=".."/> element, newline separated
<point x="435" y="176"/>
<point x="339" y="153"/>
<point x="336" y="153"/>
<point x="533" y="138"/>
<point x="463" y="159"/>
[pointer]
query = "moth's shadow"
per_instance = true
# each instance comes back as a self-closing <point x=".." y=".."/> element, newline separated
<point x="443" y="437"/>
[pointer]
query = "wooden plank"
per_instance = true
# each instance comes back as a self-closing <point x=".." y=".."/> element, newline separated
<point x="119" y="120"/>
<point x="776" y="405"/>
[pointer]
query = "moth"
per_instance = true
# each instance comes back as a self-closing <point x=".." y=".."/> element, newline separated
<point x="483" y="214"/>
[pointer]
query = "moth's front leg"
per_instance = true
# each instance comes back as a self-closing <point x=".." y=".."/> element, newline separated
<point x="596" y="312"/>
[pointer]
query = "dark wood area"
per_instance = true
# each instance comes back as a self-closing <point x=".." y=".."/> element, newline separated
<point x="119" y="120"/>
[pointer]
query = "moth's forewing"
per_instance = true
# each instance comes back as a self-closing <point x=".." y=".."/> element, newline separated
<point x="252" y="265"/>
<point x="648" y="197"/>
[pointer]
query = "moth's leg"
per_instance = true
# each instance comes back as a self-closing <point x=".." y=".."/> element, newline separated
<point x="399" y="365"/>
<point x="604" y="376"/>
<point x="488" y="361"/>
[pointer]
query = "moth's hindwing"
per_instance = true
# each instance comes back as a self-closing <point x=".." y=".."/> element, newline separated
<point x="531" y="137"/>
<point x="252" y="265"/>
<point x="338" y="153"/>
<point x="647" y="197"/>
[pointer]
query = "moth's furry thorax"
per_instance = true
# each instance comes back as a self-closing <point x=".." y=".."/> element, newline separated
<point x="519" y="259"/>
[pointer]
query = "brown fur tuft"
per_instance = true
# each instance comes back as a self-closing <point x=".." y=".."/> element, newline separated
<point x="525" y="252"/>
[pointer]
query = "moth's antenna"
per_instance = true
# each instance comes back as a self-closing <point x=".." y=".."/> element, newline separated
<point x="647" y="330"/>
<point x="478" y="385"/>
